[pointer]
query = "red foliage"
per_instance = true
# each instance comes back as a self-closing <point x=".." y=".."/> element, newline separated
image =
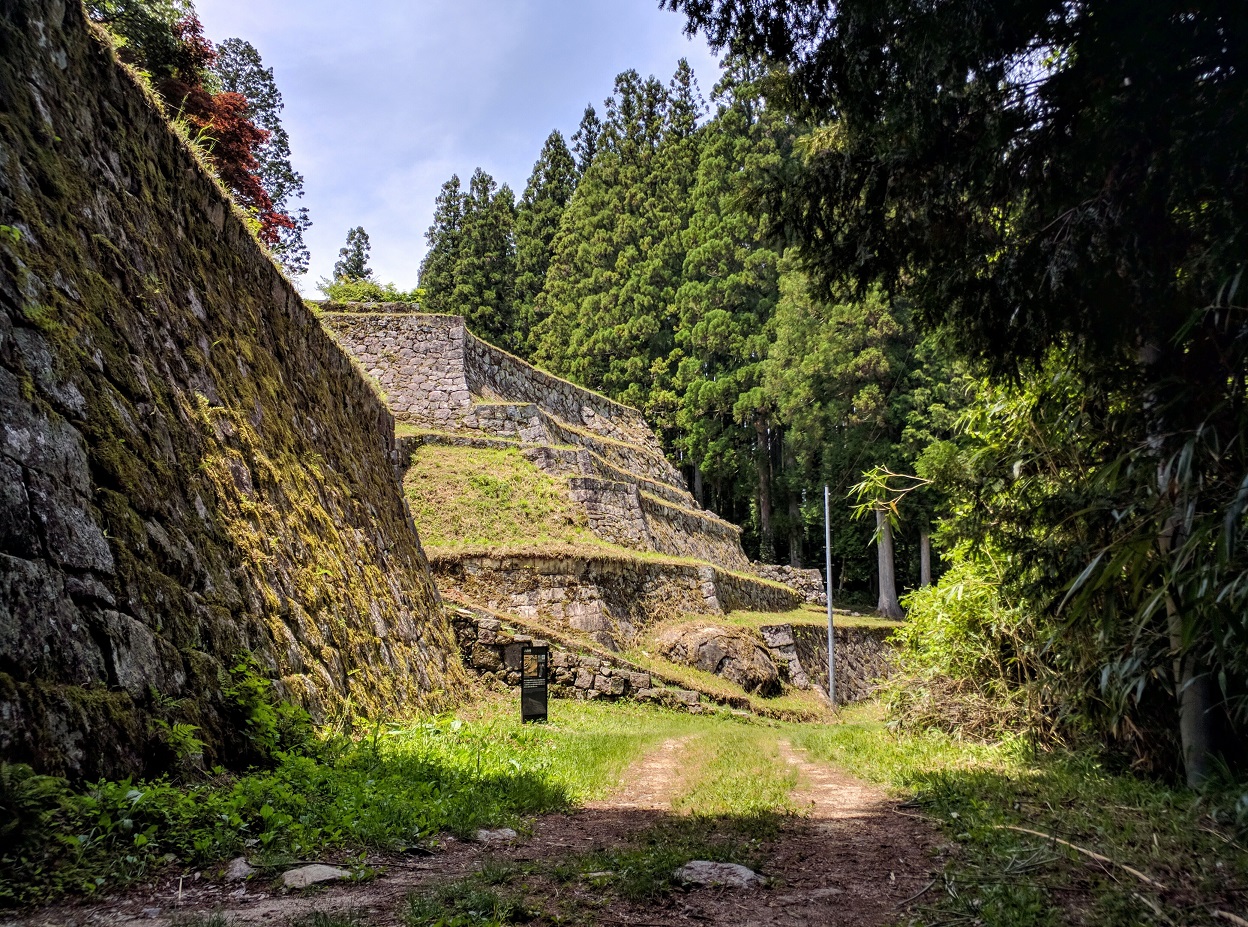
<point x="198" y="55"/>
<point x="220" y="119"/>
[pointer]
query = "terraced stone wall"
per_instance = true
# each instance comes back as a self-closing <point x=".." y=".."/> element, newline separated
<point x="189" y="467"/>
<point x="430" y="368"/>
<point x="493" y="648"/>
<point x="608" y="598"/>
<point x="493" y="372"/>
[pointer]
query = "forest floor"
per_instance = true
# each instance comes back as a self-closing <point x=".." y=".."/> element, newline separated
<point x="848" y="824"/>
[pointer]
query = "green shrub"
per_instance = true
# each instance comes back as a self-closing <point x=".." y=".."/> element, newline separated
<point x="966" y="661"/>
<point x="345" y="290"/>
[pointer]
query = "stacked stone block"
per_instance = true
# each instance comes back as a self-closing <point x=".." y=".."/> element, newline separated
<point x="609" y="599"/>
<point x="493" y="649"/>
<point x="437" y="376"/>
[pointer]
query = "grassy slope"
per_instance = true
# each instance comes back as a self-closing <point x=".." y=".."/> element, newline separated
<point x="463" y="498"/>
<point x="1005" y="878"/>
<point x="477" y="500"/>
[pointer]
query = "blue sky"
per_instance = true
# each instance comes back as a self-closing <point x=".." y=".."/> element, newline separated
<point x="385" y="99"/>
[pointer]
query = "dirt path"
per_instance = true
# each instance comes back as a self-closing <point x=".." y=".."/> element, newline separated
<point x="849" y="858"/>
<point x="651" y="783"/>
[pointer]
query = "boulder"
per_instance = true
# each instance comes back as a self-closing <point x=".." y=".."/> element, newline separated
<point x="315" y="874"/>
<point x="733" y="653"/>
<point x="729" y="875"/>
<point x="238" y="870"/>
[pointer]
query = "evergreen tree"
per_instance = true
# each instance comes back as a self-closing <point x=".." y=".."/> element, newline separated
<point x="729" y="289"/>
<point x="1007" y="171"/>
<point x="549" y="189"/>
<point x="352" y="261"/>
<point x="585" y="140"/>
<point x="437" y="270"/>
<point x="239" y="69"/>
<point x="485" y="262"/>
<point x="606" y="311"/>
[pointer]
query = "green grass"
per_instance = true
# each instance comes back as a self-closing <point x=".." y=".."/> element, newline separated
<point x="739" y="772"/>
<point x="464" y="903"/>
<point x="1003" y="878"/>
<point x="808" y="615"/>
<point x="405" y="785"/>
<point x="398" y="788"/>
<point x="465" y="497"/>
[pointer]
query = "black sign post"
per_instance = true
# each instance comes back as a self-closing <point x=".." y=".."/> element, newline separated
<point x="534" y="664"/>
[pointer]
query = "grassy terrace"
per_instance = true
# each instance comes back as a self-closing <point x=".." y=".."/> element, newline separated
<point x="467" y="497"/>
<point x="807" y="615"/>
<point x="493" y="502"/>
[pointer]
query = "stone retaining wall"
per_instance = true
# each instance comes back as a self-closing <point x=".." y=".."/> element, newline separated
<point x="493" y="648"/>
<point x="808" y="583"/>
<point x="862" y="657"/>
<point x="608" y="598"/>
<point x="430" y="367"/>
<point x="189" y="467"/>
<point x="493" y="372"/>
<point x="683" y="532"/>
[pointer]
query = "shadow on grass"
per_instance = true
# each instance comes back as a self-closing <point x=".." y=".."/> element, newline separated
<point x="387" y="793"/>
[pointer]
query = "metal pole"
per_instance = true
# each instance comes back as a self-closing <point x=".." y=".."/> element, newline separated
<point x="827" y="548"/>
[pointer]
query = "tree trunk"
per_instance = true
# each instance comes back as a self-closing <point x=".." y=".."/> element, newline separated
<point x="699" y="491"/>
<point x="925" y="558"/>
<point x="766" y="534"/>
<point x="1192" y="682"/>
<point x="888" y="606"/>
<point x="796" y="532"/>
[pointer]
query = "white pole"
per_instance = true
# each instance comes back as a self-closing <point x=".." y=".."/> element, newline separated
<point x="827" y="548"/>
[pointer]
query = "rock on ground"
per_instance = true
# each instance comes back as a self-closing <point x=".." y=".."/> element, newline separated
<point x="238" y="869"/>
<point x="502" y="835"/>
<point x="702" y="872"/>
<point x="305" y="876"/>
<point x="733" y="653"/>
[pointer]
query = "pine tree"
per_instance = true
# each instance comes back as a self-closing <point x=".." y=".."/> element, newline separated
<point x="437" y="270"/>
<point x="352" y="261"/>
<point x="550" y="187"/>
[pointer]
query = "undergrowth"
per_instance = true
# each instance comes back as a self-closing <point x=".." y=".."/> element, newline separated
<point x="396" y="788"/>
<point x="1000" y="876"/>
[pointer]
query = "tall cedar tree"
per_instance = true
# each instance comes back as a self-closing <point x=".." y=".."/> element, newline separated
<point x="1045" y="174"/>
<point x="729" y="288"/>
<point x="240" y="70"/>
<point x="585" y="140"/>
<point x="606" y="311"/>
<point x="352" y="263"/>
<point x="840" y="376"/>
<point x="437" y="270"/>
<point x="550" y="187"/>
<point x="485" y="260"/>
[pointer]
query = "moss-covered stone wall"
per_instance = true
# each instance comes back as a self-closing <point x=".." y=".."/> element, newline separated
<point x="190" y="468"/>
